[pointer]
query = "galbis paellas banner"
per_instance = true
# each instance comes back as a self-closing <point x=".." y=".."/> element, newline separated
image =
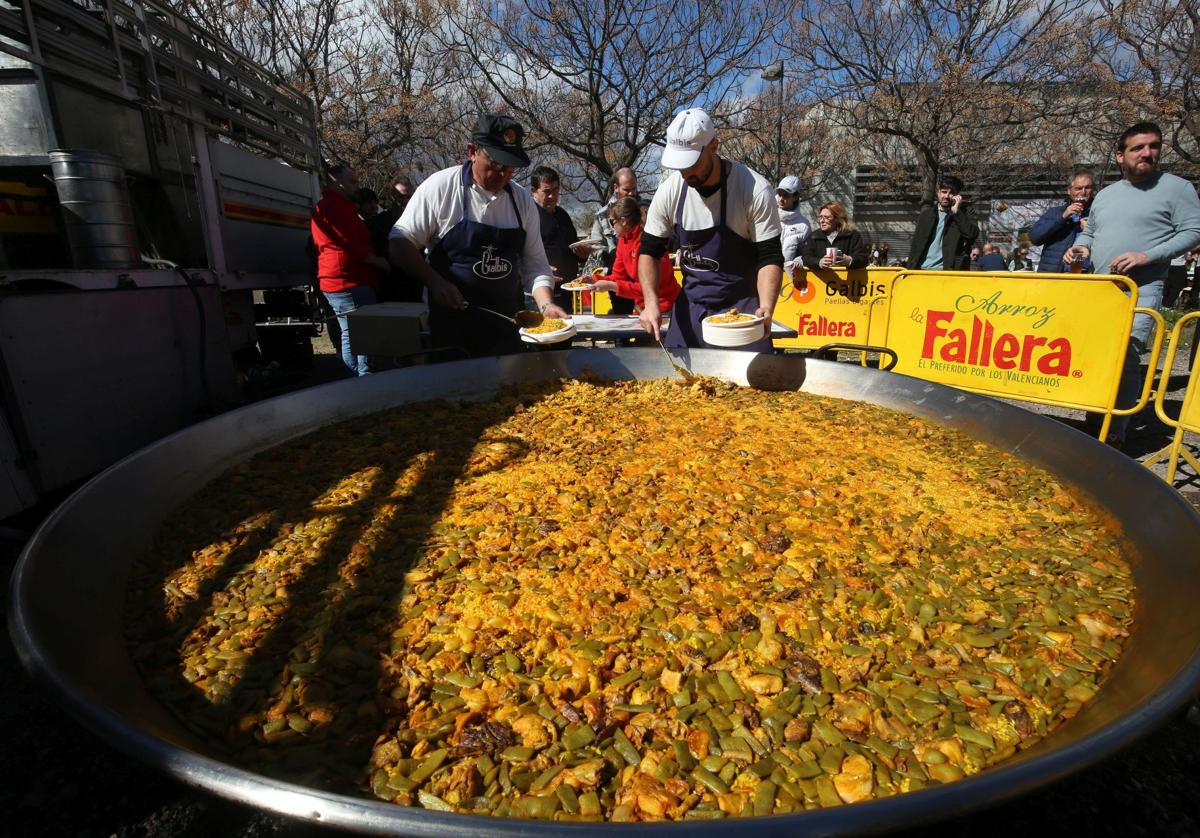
<point x="1055" y="341"/>
<point x="834" y="306"/>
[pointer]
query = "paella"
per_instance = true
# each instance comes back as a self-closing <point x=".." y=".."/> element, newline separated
<point x="630" y="601"/>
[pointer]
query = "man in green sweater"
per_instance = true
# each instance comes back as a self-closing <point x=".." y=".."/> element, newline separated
<point x="1136" y="227"/>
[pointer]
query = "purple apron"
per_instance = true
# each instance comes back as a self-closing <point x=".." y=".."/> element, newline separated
<point x="481" y="261"/>
<point x="720" y="272"/>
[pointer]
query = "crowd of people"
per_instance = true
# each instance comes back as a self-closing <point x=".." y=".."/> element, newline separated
<point x="471" y="237"/>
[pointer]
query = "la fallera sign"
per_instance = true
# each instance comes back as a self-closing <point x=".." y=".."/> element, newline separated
<point x="1055" y="341"/>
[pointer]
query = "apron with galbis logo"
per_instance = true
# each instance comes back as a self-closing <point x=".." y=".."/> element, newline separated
<point x="481" y="260"/>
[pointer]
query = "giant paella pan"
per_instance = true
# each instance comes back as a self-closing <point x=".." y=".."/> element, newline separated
<point x="787" y="744"/>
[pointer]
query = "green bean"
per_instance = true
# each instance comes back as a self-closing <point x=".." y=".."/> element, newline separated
<point x="828" y="732"/>
<point x="709" y="780"/>
<point x="945" y="772"/>
<point x="568" y="799"/>
<point x="728" y="773"/>
<point x="880" y="747"/>
<point x="826" y="793"/>
<point x="537" y="807"/>
<point x="432" y="801"/>
<point x="625" y="748"/>
<point x="665" y="770"/>
<point x="764" y="798"/>
<point x="542" y="780"/>
<point x="577" y="736"/>
<point x="925" y="712"/>
<point x="431" y="763"/>
<point x="682" y="755"/>
<point x="626" y="679"/>
<point x="764" y="767"/>
<point x="516" y="753"/>
<point x="970" y="734"/>
<point x="730" y="686"/>
<point x="703" y="814"/>
<point x="589" y="804"/>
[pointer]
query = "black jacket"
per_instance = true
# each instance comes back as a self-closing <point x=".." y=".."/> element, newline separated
<point x="961" y="231"/>
<point x="849" y="242"/>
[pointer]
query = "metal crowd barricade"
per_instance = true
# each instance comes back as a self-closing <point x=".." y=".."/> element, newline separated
<point x="1057" y="339"/>
<point x="835" y="306"/>
<point x="1189" y="413"/>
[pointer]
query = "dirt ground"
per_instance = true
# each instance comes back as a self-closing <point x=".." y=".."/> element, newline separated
<point x="58" y="779"/>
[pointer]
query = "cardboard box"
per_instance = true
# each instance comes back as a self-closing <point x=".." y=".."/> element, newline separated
<point x="388" y="328"/>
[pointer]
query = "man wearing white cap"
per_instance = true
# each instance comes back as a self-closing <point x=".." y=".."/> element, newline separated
<point x="795" y="226"/>
<point x="729" y="236"/>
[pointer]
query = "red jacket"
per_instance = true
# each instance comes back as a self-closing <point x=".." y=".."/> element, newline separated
<point x="343" y="244"/>
<point x="624" y="273"/>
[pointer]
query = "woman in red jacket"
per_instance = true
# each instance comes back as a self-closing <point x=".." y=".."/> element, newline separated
<point x="347" y="267"/>
<point x="626" y="218"/>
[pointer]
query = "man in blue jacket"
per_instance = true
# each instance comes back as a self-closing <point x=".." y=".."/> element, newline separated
<point x="1058" y="227"/>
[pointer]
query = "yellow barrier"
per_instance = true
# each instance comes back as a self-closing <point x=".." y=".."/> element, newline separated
<point x="834" y="306"/>
<point x="1056" y="339"/>
<point x="1189" y="414"/>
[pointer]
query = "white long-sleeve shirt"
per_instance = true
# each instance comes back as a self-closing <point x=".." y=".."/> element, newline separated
<point x="436" y="207"/>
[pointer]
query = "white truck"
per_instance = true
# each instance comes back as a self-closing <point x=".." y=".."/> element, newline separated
<point x="155" y="195"/>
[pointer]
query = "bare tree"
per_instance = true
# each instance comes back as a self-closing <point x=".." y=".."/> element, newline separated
<point x="597" y="83"/>
<point x="1150" y="53"/>
<point x="384" y="88"/>
<point x="959" y="84"/>
<point x="809" y="147"/>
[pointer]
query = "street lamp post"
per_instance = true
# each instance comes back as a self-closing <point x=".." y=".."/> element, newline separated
<point x="774" y="72"/>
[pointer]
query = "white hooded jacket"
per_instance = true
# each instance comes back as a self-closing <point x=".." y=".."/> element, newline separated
<point x="796" y="230"/>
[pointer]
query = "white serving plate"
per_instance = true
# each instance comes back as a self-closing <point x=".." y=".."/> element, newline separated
<point x="565" y="333"/>
<point x="732" y="334"/>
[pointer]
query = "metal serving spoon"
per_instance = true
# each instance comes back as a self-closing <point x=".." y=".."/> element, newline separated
<point x="522" y="319"/>
<point x="687" y="374"/>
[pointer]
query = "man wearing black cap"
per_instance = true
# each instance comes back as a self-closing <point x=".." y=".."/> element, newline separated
<point x="483" y="237"/>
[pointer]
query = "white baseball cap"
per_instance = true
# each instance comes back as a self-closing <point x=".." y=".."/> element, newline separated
<point x="689" y="133"/>
<point x="790" y="184"/>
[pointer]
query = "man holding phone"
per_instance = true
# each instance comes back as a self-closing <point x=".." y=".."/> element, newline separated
<point x="945" y="231"/>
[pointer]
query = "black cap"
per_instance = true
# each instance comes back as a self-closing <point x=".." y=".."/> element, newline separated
<point x="501" y="137"/>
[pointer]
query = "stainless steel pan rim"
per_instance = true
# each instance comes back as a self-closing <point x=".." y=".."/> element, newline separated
<point x="94" y="682"/>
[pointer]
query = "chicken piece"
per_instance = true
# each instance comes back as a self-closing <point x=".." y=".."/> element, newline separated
<point x="460" y="783"/>
<point x="535" y="732"/>
<point x="852" y="718"/>
<point x="764" y="684"/>
<point x="650" y="799"/>
<point x="1099" y="626"/>
<point x="856" y="780"/>
<point x="386" y="752"/>
<point x="585" y="776"/>
<point x="797" y="730"/>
